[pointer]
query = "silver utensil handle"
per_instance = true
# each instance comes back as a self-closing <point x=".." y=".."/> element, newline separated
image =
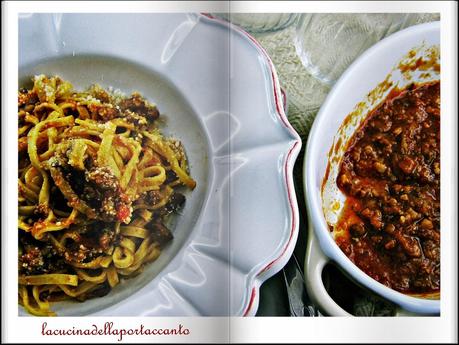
<point x="299" y="302"/>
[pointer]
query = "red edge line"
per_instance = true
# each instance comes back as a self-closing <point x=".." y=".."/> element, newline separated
<point x="252" y="299"/>
<point x="287" y="124"/>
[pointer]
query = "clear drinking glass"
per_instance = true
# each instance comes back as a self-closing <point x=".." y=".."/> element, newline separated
<point x="260" y="22"/>
<point x="327" y="43"/>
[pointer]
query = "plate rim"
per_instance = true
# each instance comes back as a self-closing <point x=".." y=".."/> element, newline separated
<point x="274" y="265"/>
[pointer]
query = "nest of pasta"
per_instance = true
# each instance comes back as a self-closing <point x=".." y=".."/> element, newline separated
<point x="97" y="182"/>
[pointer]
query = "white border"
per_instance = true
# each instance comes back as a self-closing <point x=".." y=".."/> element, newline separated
<point x="437" y="329"/>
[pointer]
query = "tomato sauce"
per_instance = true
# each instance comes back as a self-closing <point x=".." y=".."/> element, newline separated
<point x="390" y="172"/>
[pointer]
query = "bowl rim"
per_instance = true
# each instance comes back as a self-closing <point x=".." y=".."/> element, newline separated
<point x="313" y="199"/>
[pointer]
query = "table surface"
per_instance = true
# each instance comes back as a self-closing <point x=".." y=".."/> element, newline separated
<point x="305" y="94"/>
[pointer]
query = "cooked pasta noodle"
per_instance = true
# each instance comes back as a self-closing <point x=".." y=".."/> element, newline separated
<point x="96" y="182"/>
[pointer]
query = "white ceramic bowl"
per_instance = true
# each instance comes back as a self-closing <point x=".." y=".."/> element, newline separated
<point x="229" y="237"/>
<point x="377" y="64"/>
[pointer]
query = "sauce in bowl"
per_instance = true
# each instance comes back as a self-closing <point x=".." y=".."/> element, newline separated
<point x="390" y="173"/>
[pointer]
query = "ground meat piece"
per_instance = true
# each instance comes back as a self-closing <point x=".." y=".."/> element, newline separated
<point x="407" y="165"/>
<point x="103" y="177"/>
<point x="409" y="244"/>
<point x="42" y="211"/>
<point x="358" y="229"/>
<point x="26" y="97"/>
<point x="91" y="241"/>
<point x="137" y="104"/>
<point x="153" y="197"/>
<point x="107" y="113"/>
<point x="36" y="257"/>
<point x="104" y="112"/>
<point x="175" y="203"/>
<point x="161" y="233"/>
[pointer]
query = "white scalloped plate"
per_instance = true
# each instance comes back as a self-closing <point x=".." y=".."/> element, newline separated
<point x="219" y="92"/>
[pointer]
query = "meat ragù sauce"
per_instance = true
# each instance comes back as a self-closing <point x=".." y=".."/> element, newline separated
<point x="390" y="173"/>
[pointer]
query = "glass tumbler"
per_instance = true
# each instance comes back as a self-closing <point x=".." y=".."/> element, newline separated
<point x="327" y="43"/>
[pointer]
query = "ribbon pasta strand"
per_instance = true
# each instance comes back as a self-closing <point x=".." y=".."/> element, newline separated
<point x="97" y="182"/>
